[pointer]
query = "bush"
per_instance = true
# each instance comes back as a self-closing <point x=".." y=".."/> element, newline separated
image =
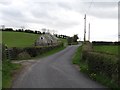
<point x="31" y="51"/>
<point x="103" y="64"/>
<point x="85" y="49"/>
<point x="23" y="55"/>
<point x="13" y="52"/>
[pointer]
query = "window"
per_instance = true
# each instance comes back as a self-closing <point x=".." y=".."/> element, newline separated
<point x="41" y="38"/>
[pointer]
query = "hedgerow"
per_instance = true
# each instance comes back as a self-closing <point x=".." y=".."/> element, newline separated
<point x="100" y="63"/>
<point x="14" y="53"/>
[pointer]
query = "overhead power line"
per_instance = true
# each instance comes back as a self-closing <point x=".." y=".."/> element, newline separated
<point x="87" y="10"/>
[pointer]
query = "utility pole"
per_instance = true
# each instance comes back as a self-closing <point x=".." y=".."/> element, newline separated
<point x="89" y="33"/>
<point x="85" y="28"/>
<point x="3" y="27"/>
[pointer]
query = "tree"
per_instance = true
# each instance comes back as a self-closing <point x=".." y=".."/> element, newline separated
<point x="75" y="38"/>
<point x="36" y="32"/>
<point x="39" y="32"/>
<point x="69" y="40"/>
<point x="8" y="29"/>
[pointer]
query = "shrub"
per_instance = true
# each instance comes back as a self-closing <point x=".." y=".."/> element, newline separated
<point x="103" y="64"/>
<point x="23" y="55"/>
<point x="85" y="49"/>
<point x="13" y="52"/>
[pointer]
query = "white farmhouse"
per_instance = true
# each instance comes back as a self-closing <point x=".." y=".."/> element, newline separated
<point x="47" y="40"/>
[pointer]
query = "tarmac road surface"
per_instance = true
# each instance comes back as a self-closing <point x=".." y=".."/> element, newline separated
<point x="55" y="71"/>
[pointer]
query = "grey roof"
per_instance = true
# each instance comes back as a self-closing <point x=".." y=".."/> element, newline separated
<point x="46" y="39"/>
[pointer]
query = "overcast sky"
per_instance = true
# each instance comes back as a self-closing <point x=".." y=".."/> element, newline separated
<point x="64" y="16"/>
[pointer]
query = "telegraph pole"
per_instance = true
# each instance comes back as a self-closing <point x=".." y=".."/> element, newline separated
<point x="89" y="33"/>
<point x="3" y="27"/>
<point x="85" y="28"/>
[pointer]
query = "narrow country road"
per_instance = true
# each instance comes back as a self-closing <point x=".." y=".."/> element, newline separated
<point x="55" y="71"/>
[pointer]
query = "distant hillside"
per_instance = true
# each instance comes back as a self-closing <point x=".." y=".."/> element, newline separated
<point x="18" y="39"/>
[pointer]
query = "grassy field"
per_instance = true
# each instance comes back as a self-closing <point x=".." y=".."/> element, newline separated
<point x="107" y="49"/>
<point x="18" y="39"/>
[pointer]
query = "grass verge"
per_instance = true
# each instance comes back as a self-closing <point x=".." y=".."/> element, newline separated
<point x="77" y="56"/>
<point x="77" y="59"/>
<point x="7" y="70"/>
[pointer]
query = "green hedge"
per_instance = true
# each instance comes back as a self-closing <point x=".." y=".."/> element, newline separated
<point x="87" y="46"/>
<point x="103" y="64"/>
<point x="14" y="52"/>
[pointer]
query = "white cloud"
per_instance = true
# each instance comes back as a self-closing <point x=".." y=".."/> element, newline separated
<point x="66" y="16"/>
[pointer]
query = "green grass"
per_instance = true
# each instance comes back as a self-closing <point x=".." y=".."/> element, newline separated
<point x="77" y="59"/>
<point x="18" y="39"/>
<point x="105" y="81"/>
<point x="0" y="79"/>
<point x="64" y="41"/>
<point x="106" y="49"/>
<point x="7" y="69"/>
<point x="77" y="56"/>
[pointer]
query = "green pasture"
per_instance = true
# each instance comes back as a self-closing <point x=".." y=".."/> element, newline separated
<point x="110" y="49"/>
<point x="18" y="39"/>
